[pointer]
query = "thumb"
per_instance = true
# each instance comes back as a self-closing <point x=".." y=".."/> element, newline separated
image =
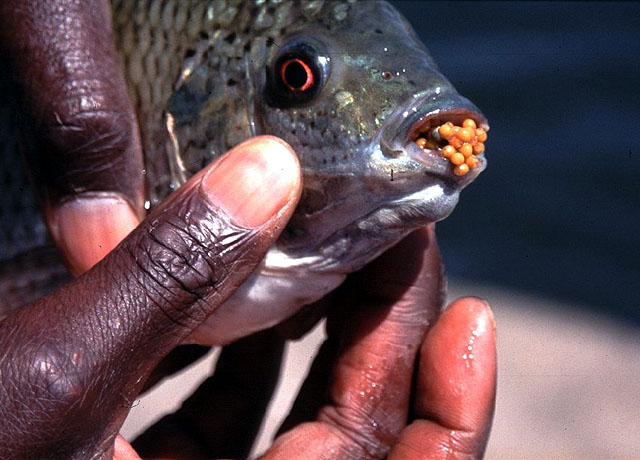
<point x="87" y="349"/>
<point x="192" y="252"/>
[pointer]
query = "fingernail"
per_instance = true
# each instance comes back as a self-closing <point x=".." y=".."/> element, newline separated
<point x="87" y="228"/>
<point x="481" y="310"/>
<point x="253" y="181"/>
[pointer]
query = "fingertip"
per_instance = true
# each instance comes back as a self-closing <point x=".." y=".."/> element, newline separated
<point x="458" y="368"/>
<point x="254" y="181"/>
<point x="123" y="451"/>
<point x="87" y="227"/>
<point x="266" y="142"/>
<point x="471" y="309"/>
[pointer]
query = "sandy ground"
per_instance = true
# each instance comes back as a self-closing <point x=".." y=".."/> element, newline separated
<point x="568" y="382"/>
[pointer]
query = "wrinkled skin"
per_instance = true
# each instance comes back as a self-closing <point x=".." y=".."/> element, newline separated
<point x="72" y="363"/>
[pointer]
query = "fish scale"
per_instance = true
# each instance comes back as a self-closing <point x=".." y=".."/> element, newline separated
<point x="206" y="75"/>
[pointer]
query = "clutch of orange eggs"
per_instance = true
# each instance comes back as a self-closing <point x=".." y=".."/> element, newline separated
<point x="460" y="144"/>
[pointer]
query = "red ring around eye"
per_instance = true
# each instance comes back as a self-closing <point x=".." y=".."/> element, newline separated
<point x="296" y="75"/>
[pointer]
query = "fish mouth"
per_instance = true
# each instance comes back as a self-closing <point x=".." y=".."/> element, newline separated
<point x="421" y="120"/>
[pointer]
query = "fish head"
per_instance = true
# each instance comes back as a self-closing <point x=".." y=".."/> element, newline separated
<point x="350" y="87"/>
<point x="350" y="90"/>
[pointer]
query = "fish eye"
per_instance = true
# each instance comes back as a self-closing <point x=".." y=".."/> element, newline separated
<point x="297" y="74"/>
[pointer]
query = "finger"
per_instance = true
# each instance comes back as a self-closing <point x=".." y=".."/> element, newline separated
<point x="83" y="145"/>
<point x="384" y="313"/>
<point x="86" y="350"/>
<point x="123" y="450"/>
<point x="222" y="418"/>
<point x="456" y="387"/>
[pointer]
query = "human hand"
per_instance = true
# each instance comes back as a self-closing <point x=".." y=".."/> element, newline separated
<point x="73" y="362"/>
<point x="81" y="140"/>
<point x="86" y="163"/>
<point x="379" y="387"/>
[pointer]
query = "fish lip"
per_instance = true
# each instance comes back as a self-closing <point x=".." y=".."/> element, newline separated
<point x="426" y="109"/>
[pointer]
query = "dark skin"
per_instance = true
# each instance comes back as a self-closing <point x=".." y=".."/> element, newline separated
<point x="390" y="382"/>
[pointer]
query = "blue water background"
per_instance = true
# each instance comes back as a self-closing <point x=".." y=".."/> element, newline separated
<point x="557" y="212"/>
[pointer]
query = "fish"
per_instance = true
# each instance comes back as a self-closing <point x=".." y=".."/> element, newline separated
<point x="346" y="83"/>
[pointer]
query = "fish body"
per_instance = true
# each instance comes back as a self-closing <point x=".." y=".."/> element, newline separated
<point x="347" y="84"/>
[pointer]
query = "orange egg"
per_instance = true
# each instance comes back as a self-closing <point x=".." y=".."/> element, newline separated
<point x="465" y="134"/>
<point x="446" y="131"/>
<point x="457" y="158"/>
<point x="466" y="149"/>
<point x="457" y="143"/>
<point x="461" y="170"/>
<point x="472" y="161"/>
<point x="469" y="123"/>
<point x="482" y="134"/>
<point x="478" y="148"/>
<point x="448" y="150"/>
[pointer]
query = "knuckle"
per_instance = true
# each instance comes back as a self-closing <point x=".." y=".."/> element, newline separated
<point x="186" y="260"/>
<point x="54" y="399"/>
<point x="57" y="376"/>
<point x="81" y="141"/>
<point x="98" y="134"/>
<point x="365" y="434"/>
<point x="467" y="444"/>
<point x="180" y="256"/>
